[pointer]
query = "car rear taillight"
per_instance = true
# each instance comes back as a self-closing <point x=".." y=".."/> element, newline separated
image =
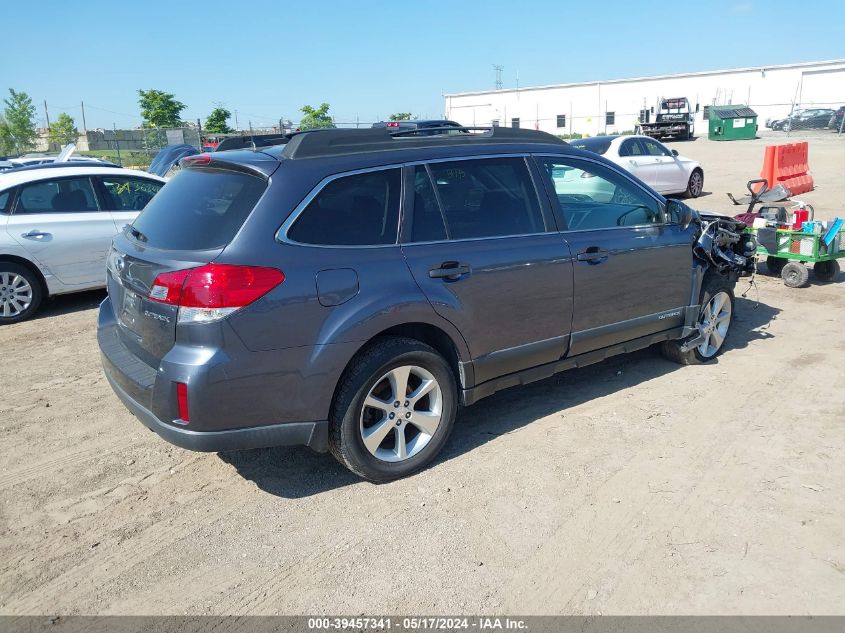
<point x="393" y="124"/>
<point x="587" y="174"/>
<point x="213" y="291"/>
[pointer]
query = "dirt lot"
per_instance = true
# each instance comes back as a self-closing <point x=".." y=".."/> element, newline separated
<point x="635" y="486"/>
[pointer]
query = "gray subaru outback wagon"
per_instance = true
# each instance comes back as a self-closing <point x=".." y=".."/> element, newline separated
<point x="350" y="289"/>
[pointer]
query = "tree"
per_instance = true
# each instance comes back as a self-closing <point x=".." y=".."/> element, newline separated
<point x="315" y="118"/>
<point x="160" y="109"/>
<point x="401" y="116"/>
<point x="63" y="131"/>
<point x="216" y="121"/>
<point x="19" y="129"/>
<point x="7" y="146"/>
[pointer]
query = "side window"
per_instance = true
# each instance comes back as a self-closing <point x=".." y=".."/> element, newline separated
<point x="631" y="147"/>
<point x="68" y="195"/>
<point x="359" y="210"/>
<point x="653" y="148"/>
<point x="487" y="198"/>
<point x="427" y="223"/>
<point x="593" y="197"/>
<point x="129" y="194"/>
<point x="5" y="198"/>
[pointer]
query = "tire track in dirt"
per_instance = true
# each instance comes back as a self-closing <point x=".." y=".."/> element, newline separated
<point x="552" y="580"/>
<point x="103" y="447"/>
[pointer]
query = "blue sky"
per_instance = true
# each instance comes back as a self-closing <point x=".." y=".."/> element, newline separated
<point x="367" y="58"/>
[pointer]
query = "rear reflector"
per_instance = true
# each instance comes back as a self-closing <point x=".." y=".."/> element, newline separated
<point x="182" y="401"/>
<point x="213" y="291"/>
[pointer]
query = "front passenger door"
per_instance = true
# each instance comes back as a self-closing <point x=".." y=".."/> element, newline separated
<point x="632" y="269"/>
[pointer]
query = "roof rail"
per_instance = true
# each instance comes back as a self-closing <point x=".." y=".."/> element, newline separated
<point x="251" y="142"/>
<point x="337" y="142"/>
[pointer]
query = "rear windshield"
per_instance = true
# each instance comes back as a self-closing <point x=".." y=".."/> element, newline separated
<point x="199" y="209"/>
<point x="597" y="144"/>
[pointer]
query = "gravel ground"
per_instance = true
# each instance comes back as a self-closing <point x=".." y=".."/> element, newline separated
<point x="631" y="487"/>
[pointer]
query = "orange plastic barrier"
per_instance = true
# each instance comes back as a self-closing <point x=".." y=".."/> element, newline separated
<point x="788" y="165"/>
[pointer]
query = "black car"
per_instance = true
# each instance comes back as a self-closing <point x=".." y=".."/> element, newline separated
<point x="169" y="156"/>
<point x="811" y="119"/>
<point x="835" y="122"/>
<point x="425" y="127"/>
<point x="349" y="289"/>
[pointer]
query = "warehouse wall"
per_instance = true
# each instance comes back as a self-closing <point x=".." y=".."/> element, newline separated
<point x="771" y="91"/>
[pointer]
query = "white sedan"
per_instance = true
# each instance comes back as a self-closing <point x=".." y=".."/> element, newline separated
<point x="649" y="160"/>
<point x="56" y="225"/>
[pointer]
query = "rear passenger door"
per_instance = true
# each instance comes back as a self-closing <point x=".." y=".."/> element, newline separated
<point x="632" y="269"/>
<point x="60" y="223"/>
<point x="125" y="197"/>
<point x="485" y="252"/>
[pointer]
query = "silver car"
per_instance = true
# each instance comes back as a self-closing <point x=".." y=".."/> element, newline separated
<point x="56" y="224"/>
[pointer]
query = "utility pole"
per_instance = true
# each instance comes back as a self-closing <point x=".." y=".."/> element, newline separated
<point x="117" y="143"/>
<point x="84" y="127"/>
<point x="47" y="115"/>
<point x="498" y="70"/>
<point x="237" y="127"/>
<point x="199" y="132"/>
<point x="281" y="127"/>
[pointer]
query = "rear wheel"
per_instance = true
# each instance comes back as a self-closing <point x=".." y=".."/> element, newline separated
<point x="20" y="293"/>
<point x="775" y="264"/>
<point x="714" y="320"/>
<point x="795" y="274"/>
<point x="394" y="410"/>
<point x="826" y="271"/>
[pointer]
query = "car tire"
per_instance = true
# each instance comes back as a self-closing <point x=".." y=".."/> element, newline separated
<point x="786" y="127"/>
<point x="398" y="436"/>
<point x="695" y="185"/>
<point x="717" y="292"/>
<point x="775" y="265"/>
<point x="795" y="274"/>
<point x="827" y="270"/>
<point x="21" y="293"/>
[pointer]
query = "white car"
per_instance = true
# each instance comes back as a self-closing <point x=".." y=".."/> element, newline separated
<point x="56" y="226"/>
<point x="662" y="169"/>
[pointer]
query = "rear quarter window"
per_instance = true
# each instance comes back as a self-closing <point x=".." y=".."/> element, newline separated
<point x="5" y="198"/>
<point x="199" y="209"/>
<point x="356" y="210"/>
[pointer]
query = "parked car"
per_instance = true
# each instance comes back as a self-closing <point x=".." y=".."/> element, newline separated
<point x="349" y="289"/>
<point x="56" y="225"/>
<point x="166" y="161"/>
<point x="835" y="122"/>
<point x="808" y="119"/>
<point x="431" y="126"/>
<point x="664" y="170"/>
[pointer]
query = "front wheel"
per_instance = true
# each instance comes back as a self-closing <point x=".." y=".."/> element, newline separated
<point x="695" y="185"/>
<point x="394" y="410"/>
<point x="714" y="322"/>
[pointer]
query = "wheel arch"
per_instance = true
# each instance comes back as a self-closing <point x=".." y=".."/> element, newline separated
<point x="22" y="261"/>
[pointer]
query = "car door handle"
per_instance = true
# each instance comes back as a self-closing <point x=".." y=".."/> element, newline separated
<point x="592" y="255"/>
<point x="451" y="271"/>
<point x="35" y="233"/>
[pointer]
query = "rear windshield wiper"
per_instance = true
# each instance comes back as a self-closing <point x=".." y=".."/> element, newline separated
<point x="137" y="234"/>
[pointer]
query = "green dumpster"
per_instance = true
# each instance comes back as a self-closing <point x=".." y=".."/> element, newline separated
<point x="732" y="123"/>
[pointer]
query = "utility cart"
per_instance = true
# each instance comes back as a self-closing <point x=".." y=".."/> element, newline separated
<point x="788" y="251"/>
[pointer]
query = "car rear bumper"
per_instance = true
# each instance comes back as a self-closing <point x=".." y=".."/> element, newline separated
<point x="311" y="434"/>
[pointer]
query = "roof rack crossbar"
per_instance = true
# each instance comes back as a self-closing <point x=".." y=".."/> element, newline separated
<point x="338" y="141"/>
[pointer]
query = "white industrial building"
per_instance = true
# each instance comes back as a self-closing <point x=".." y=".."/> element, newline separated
<point x="615" y="106"/>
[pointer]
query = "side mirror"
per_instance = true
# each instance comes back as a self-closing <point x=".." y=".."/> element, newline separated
<point x="674" y="152"/>
<point x="679" y="213"/>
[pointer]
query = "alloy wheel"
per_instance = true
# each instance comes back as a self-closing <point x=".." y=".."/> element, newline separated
<point x="401" y="413"/>
<point x="696" y="184"/>
<point x="714" y="323"/>
<point x="15" y="294"/>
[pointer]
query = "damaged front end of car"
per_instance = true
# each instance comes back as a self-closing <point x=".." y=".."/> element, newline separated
<point x="723" y="245"/>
